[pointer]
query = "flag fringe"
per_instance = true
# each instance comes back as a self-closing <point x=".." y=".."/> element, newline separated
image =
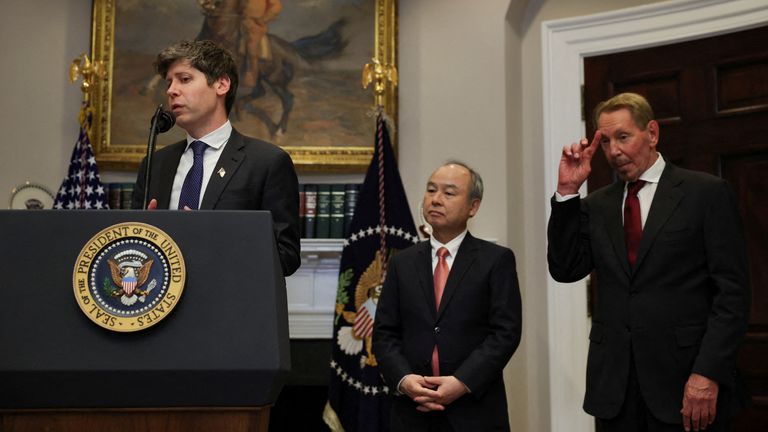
<point x="331" y="418"/>
<point x="376" y="111"/>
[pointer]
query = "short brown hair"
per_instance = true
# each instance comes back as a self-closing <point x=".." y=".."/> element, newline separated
<point x="638" y="107"/>
<point x="206" y="56"/>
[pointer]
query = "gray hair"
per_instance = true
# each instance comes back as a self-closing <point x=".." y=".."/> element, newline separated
<point x="476" y="186"/>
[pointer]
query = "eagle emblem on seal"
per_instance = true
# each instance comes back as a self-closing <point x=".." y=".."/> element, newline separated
<point x="130" y="271"/>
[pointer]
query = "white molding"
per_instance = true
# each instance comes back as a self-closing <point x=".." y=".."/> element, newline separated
<point x="312" y="289"/>
<point x="565" y="43"/>
<point x="321" y="245"/>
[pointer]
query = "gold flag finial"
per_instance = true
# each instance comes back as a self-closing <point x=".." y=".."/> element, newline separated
<point x="83" y="67"/>
<point x="379" y="74"/>
<point x="90" y="72"/>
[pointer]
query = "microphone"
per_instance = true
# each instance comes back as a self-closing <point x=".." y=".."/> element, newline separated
<point x="165" y="119"/>
<point x="162" y="121"/>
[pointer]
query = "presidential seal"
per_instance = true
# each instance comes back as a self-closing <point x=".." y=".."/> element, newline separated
<point x="128" y="277"/>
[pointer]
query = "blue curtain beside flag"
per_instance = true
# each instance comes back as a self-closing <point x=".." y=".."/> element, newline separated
<point x="382" y="225"/>
<point x="82" y="187"/>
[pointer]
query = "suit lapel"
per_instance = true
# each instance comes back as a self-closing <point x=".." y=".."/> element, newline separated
<point x="611" y="211"/>
<point x="424" y="273"/>
<point x="465" y="256"/>
<point x="166" y="173"/>
<point x="665" y="201"/>
<point x="229" y="161"/>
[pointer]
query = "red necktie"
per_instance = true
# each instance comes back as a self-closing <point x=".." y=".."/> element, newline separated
<point x="633" y="225"/>
<point x="439" y="278"/>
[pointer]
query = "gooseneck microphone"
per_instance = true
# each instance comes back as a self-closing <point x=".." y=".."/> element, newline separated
<point x="162" y="121"/>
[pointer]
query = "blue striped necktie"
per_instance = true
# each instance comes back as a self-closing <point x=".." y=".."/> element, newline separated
<point x="190" y="190"/>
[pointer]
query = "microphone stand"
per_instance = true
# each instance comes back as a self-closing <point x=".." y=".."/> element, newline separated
<point x="162" y="121"/>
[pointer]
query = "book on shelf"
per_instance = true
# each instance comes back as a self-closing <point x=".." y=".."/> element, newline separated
<point x="302" y="211"/>
<point x="113" y="195"/>
<point x="337" y="211"/>
<point x="310" y="210"/>
<point x="323" y="223"/>
<point x="126" y="194"/>
<point x="351" y="192"/>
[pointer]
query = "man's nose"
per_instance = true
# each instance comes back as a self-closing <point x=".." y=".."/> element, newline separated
<point x="613" y="148"/>
<point x="172" y="90"/>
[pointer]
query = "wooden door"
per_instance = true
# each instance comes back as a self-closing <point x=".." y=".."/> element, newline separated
<point x="710" y="97"/>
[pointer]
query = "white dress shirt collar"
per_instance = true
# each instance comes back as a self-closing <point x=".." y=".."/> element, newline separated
<point x="452" y="246"/>
<point x="653" y="174"/>
<point x="215" y="139"/>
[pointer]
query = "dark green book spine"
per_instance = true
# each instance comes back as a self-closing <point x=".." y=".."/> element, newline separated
<point x="351" y="191"/>
<point x="323" y="227"/>
<point x="337" y="211"/>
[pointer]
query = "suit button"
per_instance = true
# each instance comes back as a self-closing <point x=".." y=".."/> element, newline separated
<point x="437" y="330"/>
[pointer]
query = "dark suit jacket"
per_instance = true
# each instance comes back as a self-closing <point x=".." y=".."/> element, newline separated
<point x="683" y="308"/>
<point x="259" y="176"/>
<point x="476" y="330"/>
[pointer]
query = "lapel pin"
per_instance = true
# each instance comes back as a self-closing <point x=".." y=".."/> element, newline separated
<point x="221" y="172"/>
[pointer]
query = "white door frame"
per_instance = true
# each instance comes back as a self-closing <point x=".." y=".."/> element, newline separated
<point x="565" y="43"/>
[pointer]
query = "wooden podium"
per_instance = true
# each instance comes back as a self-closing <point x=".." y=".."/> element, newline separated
<point x="216" y="362"/>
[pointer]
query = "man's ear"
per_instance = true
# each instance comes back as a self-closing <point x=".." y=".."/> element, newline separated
<point x="222" y="84"/>
<point x="653" y="131"/>
<point x="474" y="207"/>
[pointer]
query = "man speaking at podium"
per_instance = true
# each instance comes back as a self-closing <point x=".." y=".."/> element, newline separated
<point x="216" y="167"/>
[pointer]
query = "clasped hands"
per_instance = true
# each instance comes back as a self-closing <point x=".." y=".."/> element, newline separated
<point x="432" y="393"/>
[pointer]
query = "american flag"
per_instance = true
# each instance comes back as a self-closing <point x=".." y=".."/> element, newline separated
<point x="82" y="187"/>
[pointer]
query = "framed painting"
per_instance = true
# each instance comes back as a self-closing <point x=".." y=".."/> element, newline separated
<point x="305" y="95"/>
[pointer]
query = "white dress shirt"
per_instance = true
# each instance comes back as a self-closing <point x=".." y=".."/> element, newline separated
<point x="216" y="141"/>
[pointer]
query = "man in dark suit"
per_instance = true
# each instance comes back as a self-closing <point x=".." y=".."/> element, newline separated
<point x="667" y="248"/>
<point x="216" y="167"/>
<point x="449" y="317"/>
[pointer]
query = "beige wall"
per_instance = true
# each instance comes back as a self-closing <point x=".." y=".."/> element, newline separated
<point x="38" y="108"/>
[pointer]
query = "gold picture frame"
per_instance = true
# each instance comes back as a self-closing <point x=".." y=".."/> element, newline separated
<point x="125" y="154"/>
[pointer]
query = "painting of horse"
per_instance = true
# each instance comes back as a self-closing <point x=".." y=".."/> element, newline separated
<point x="306" y="91"/>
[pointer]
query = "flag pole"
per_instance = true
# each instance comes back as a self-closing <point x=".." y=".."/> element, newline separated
<point x="380" y="75"/>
